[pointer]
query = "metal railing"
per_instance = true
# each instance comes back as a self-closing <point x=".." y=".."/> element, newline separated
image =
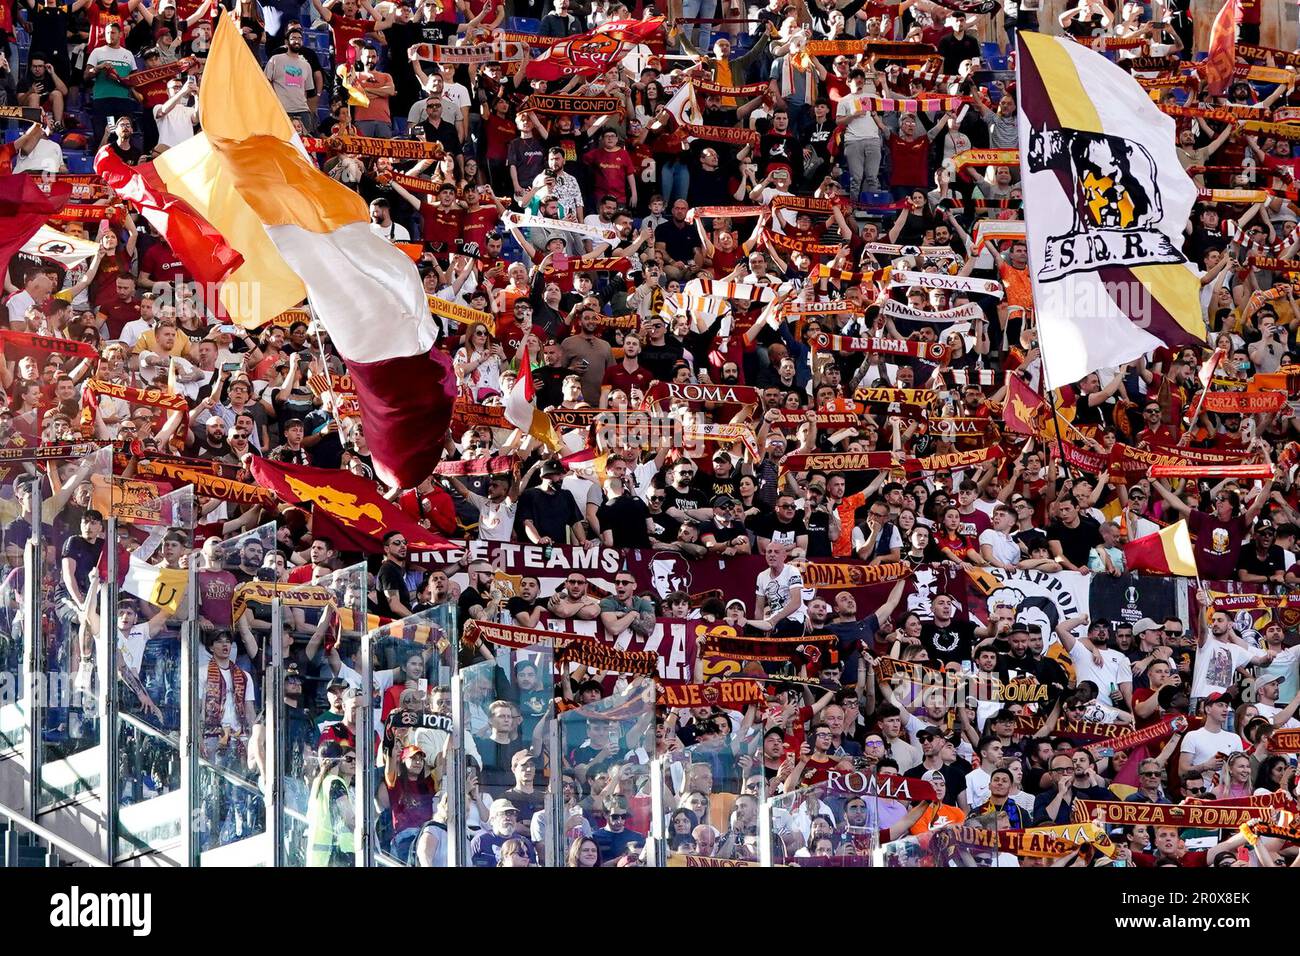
<point x="53" y="839"/>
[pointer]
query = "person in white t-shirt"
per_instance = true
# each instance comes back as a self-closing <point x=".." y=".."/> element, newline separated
<point x="780" y="597"/>
<point x="1204" y="750"/>
<point x="1267" y="688"/>
<point x="131" y="640"/>
<point x="384" y="226"/>
<point x="35" y="291"/>
<point x="1093" y="661"/>
<point x="45" y="156"/>
<point x="976" y="793"/>
<point x="996" y="544"/>
<point x="1218" y="656"/>
<point x="496" y="512"/>
<point x="176" y="117"/>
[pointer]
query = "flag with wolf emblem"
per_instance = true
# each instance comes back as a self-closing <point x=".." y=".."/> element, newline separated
<point x="594" y="52"/>
<point x="1105" y="204"/>
<point x="359" y="515"/>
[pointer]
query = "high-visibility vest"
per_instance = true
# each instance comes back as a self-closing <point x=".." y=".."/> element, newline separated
<point x="321" y="836"/>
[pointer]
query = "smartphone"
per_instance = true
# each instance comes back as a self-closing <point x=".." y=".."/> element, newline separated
<point x="424" y="685"/>
<point x="231" y="366"/>
<point x="560" y="260"/>
<point x="228" y="329"/>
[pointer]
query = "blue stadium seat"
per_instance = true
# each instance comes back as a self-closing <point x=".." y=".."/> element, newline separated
<point x="79" y="160"/>
<point x="399" y="125"/>
<point x="523" y="24"/>
<point x="510" y="250"/>
<point x="317" y="40"/>
<point x="989" y="51"/>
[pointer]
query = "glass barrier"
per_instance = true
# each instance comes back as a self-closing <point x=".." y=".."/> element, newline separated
<point x="413" y="666"/>
<point x="69" y="628"/>
<point x="824" y="825"/>
<point x="234" y="627"/>
<point x="156" y="611"/>
<point x="323" y="618"/>
<point x="711" y="785"/>
<point x="507" y="713"/>
<point x="13" y="539"/>
<point x="606" y="751"/>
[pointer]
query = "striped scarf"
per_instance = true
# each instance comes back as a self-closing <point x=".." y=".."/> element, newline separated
<point x="214" y="698"/>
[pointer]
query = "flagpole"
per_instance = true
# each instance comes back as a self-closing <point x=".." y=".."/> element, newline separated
<point x="1214" y="361"/>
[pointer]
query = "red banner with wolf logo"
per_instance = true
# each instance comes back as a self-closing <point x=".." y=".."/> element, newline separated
<point x="588" y="54"/>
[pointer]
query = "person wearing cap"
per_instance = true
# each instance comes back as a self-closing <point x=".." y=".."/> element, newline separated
<point x="334" y="696"/>
<point x="409" y="791"/>
<point x="1149" y="647"/>
<point x="1097" y="663"/>
<point x="1267" y="690"/>
<point x="722" y="534"/>
<point x="486" y="848"/>
<point x="548" y="513"/>
<point x="331" y="810"/>
<point x="1263" y="561"/>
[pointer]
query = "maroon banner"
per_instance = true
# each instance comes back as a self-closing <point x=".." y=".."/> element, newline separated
<point x="721" y="394"/>
<point x="498" y="465"/>
<point x="952" y="460"/>
<point x="722" y="693"/>
<point x="887" y="785"/>
<point x="839" y="461"/>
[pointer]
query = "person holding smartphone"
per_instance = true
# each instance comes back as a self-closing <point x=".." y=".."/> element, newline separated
<point x="176" y="117"/>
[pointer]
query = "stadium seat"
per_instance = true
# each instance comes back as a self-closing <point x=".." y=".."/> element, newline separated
<point x="523" y="25"/>
<point x="319" y="41"/>
<point x="79" y="160"/>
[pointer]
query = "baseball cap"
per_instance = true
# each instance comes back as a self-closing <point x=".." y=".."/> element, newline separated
<point x="1146" y="624"/>
<point x="410" y="750"/>
<point x="737" y="602"/>
<point x="552" y="468"/>
<point x="722" y="501"/>
<point x="501" y="805"/>
<point x="926" y="733"/>
<point x="1218" y="697"/>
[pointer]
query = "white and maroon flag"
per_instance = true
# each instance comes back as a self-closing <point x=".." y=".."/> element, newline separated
<point x="1105" y="205"/>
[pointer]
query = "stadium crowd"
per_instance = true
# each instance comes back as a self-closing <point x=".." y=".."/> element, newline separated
<point x="782" y="319"/>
